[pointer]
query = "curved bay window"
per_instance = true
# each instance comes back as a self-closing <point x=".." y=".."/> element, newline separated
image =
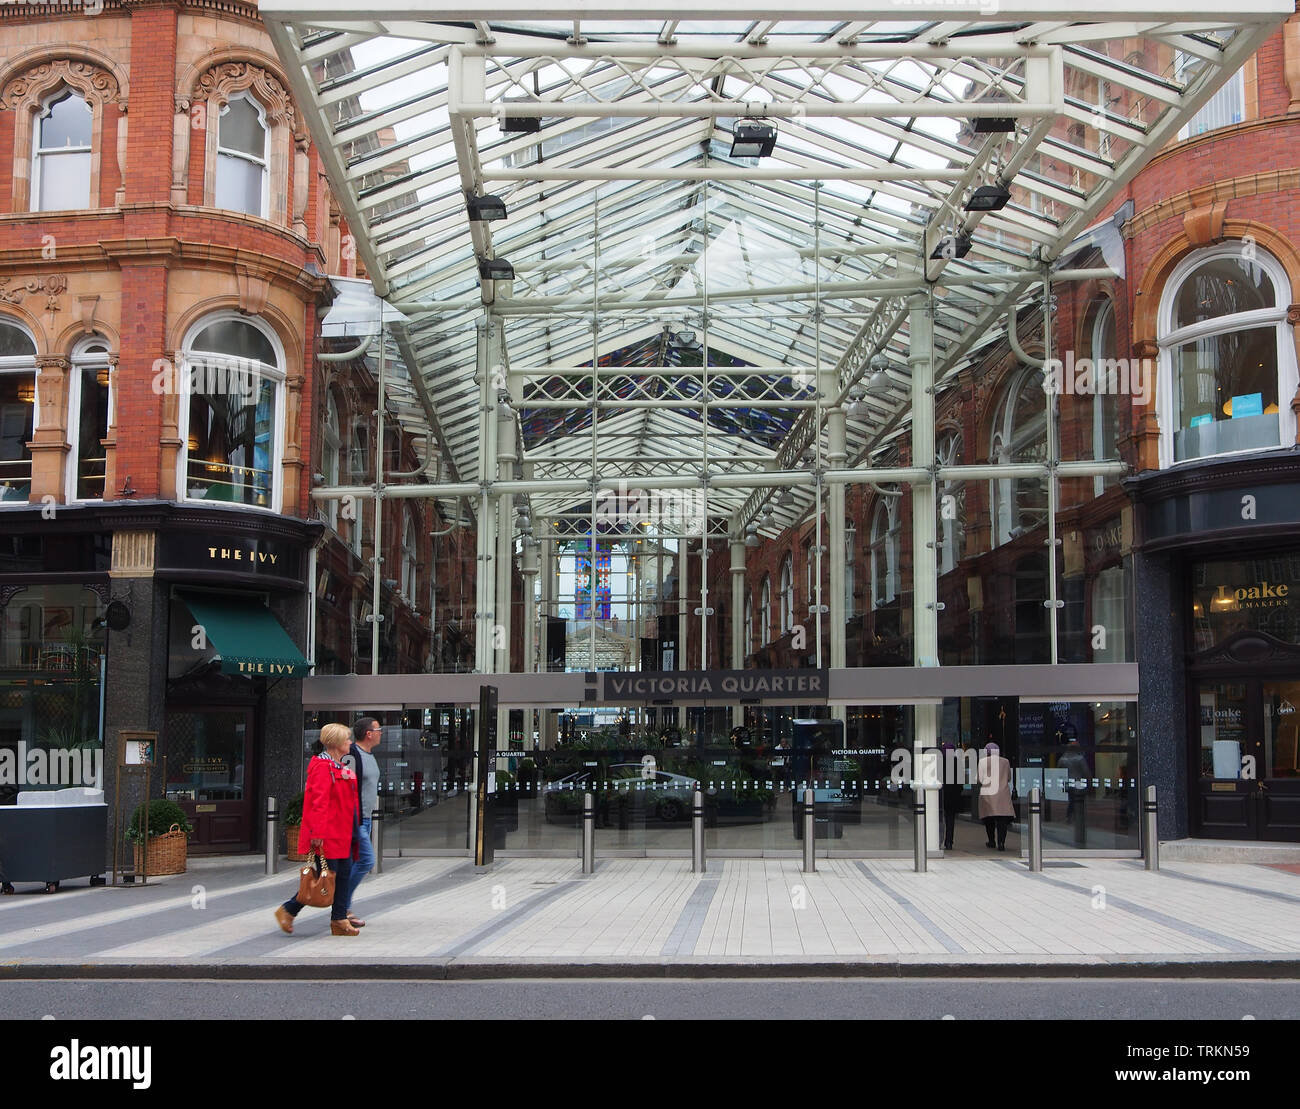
<point x="885" y="548"/>
<point x="90" y="413"/>
<point x="765" y="612"/>
<point x="1020" y="435"/>
<point x="409" y="560"/>
<point x="749" y="623"/>
<point x="1228" y="369"/>
<point x="1103" y="348"/>
<point x="232" y="376"/>
<point x="17" y="411"/>
<point x="242" y="157"/>
<point x="61" y="154"/>
<point x="329" y="462"/>
<point x="951" y="504"/>
<point x="785" y="598"/>
<point x="850" y="539"/>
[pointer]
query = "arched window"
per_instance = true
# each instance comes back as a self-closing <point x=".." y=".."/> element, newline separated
<point x="850" y="567"/>
<point x="749" y="623"/>
<point x="1020" y="435"/>
<point x="17" y="411"/>
<point x="1103" y="347"/>
<point x="90" y="413"/>
<point x="410" y="555"/>
<point x="242" y="137"/>
<point x="884" y="552"/>
<point x="61" y="154"/>
<point x="765" y="612"/>
<point x="785" y="597"/>
<point x="1227" y="362"/>
<point x="233" y="379"/>
<point x="951" y="526"/>
<point x="331" y="444"/>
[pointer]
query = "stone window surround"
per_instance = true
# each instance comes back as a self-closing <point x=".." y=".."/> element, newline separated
<point x="200" y="110"/>
<point x="26" y="95"/>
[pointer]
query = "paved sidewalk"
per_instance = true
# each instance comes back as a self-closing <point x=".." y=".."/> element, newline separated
<point x="436" y="917"/>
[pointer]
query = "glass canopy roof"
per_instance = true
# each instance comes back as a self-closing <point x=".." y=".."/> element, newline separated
<point x="638" y="242"/>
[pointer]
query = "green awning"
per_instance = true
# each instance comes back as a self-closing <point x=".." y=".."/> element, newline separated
<point x="246" y="636"/>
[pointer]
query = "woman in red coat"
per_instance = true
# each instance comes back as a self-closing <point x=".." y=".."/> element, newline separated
<point x="329" y="824"/>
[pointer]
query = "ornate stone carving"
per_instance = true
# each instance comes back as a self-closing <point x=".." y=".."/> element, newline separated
<point x="53" y="287"/>
<point x="86" y="78"/>
<point x="1293" y="314"/>
<point x="230" y="77"/>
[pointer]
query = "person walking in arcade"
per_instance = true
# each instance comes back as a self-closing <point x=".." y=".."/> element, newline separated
<point x="329" y="825"/>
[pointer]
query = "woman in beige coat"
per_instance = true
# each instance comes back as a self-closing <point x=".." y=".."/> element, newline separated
<point x="996" y="809"/>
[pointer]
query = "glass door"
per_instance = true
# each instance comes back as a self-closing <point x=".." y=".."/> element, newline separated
<point x="207" y="752"/>
<point x="1279" y="770"/>
<point x="1225" y="790"/>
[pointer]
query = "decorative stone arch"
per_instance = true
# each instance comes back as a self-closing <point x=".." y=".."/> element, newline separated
<point x="25" y="90"/>
<point x="12" y="312"/>
<point x="1146" y="309"/>
<point x="207" y="87"/>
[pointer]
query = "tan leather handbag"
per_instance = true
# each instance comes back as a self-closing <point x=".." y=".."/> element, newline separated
<point x="316" y="883"/>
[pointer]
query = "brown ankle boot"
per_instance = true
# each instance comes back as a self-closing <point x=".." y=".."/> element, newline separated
<point x="343" y="928"/>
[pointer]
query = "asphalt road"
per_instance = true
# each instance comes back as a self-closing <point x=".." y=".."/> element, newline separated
<point x="754" y="999"/>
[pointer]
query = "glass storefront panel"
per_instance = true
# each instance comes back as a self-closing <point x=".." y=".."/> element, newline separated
<point x="1083" y="756"/>
<point x="51" y="687"/>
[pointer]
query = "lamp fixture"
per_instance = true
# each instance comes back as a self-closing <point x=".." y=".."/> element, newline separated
<point x="518" y="125"/>
<point x="495" y="269"/>
<point x="485" y="208"/>
<point x="994" y="125"/>
<point x="952" y="246"/>
<point x="27" y="392"/>
<point x="752" y="139"/>
<point x="988" y="198"/>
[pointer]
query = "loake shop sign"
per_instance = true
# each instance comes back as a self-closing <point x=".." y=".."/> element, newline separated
<point x="225" y="554"/>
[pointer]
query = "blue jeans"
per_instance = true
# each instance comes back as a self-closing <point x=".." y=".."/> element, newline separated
<point x="342" y="891"/>
<point x="364" y="863"/>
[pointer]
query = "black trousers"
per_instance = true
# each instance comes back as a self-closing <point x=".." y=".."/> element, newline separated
<point x="951" y="801"/>
<point x="1002" y="823"/>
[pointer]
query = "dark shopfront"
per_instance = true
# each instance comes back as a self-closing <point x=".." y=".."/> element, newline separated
<point x="230" y="729"/>
<point x="1221" y="547"/>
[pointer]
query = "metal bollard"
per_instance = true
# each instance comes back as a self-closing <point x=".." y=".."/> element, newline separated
<point x="1150" y="841"/>
<point x="918" y="814"/>
<point x="272" y="838"/>
<point x="1035" y="829"/>
<point x="809" y="831"/>
<point x="588" y="834"/>
<point x="377" y="839"/>
<point x="697" y="833"/>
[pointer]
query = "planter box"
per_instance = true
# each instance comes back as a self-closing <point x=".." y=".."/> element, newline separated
<point x="167" y="855"/>
<point x="291" y="843"/>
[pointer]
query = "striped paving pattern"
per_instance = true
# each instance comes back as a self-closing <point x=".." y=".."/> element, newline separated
<point x="656" y="910"/>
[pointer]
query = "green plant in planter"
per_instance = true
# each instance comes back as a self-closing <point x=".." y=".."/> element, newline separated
<point x="293" y="812"/>
<point x="162" y="815"/>
<point x="527" y="770"/>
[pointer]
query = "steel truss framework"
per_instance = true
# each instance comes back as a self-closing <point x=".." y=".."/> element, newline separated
<point x="767" y="290"/>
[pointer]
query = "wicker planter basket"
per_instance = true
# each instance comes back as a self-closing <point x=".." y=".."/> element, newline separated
<point x="167" y="853"/>
<point x="291" y="843"/>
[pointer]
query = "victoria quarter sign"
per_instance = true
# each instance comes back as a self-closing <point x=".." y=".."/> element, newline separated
<point x="678" y="687"/>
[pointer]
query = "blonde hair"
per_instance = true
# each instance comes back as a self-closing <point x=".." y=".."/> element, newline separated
<point x="335" y="735"/>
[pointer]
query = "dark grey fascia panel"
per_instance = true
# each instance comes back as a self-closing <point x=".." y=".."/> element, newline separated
<point x="891" y="685"/>
<point x="378" y="691"/>
<point x="884" y="685"/>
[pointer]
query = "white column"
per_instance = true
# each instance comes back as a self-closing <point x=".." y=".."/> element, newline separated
<point x="505" y="547"/>
<point x="550" y="720"/>
<point x="836" y="457"/>
<point x="925" y="617"/>
<point x="737" y="621"/>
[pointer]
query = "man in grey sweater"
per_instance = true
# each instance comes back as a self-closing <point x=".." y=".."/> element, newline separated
<point x="366" y="734"/>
